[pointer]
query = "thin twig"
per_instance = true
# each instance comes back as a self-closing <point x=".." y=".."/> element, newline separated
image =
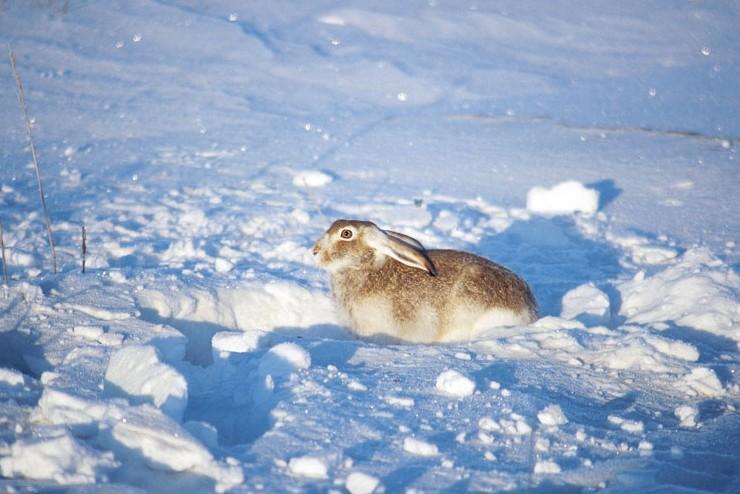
<point x="5" y="263"/>
<point x="22" y="102"/>
<point x="84" y="247"/>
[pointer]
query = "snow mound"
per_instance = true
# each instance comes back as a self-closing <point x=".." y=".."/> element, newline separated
<point x="453" y="383"/>
<point x="60" y="458"/>
<point x="308" y="466"/>
<point x="283" y="359"/>
<point x="564" y="198"/>
<point x="136" y="371"/>
<point x="698" y="291"/>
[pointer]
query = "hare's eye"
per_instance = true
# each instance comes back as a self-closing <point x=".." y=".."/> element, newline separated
<point x="346" y="234"/>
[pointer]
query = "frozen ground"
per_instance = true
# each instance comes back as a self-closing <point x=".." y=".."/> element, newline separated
<point x="591" y="147"/>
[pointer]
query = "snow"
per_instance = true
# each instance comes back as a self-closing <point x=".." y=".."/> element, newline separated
<point x="205" y="146"/>
<point x="552" y="415"/>
<point x="59" y="458"/>
<point x="419" y="447"/>
<point x="361" y="483"/>
<point x="564" y="198"/>
<point x="308" y="466"/>
<point x="137" y="372"/>
<point x="453" y="383"/>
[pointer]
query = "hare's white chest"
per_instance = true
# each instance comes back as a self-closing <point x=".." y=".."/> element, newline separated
<point x="374" y="317"/>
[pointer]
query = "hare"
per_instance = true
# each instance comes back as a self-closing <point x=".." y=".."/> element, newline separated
<point x="389" y="288"/>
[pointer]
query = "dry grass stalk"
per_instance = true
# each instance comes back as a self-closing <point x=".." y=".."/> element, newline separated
<point x="22" y="102"/>
<point x="5" y="263"/>
<point x="84" y="247"/>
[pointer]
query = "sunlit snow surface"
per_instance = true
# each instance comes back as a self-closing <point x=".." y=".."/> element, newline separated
<point x="206" y="145"/>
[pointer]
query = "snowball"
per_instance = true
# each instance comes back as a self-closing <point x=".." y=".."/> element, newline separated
<point x="361" y="483"/>
<point x="136" y="371"/>
<point x="311" y="178"/>
<point x="552" y="415"/>
<point x="587" y="304"/>
<point x="564" y="198"/>
<point x="419" y="447"/>
<point x="687" y="415"/>
<point x="308" y="466"/>
<point x="546" y="467"/>
<point x="61" y="459"/>
<point x="284" y="358"/>
<point x="452" y="383"/>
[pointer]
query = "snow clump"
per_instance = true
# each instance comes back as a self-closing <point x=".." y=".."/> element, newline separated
<point x="361" y="483"/>
<point x="452" y="383"/>
<point x="564" y="198"/>
<point x="552" y="415"/>
<point x="308" y="466"/>
<point x="419" y="447"/>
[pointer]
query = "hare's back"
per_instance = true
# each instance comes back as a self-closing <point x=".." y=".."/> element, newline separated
<point x="483" y="282"/>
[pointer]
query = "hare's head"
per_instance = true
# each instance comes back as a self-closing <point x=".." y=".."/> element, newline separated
<point x="354" y="244"/>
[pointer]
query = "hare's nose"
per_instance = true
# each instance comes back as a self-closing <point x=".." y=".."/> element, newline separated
<point x="315" y="249"/>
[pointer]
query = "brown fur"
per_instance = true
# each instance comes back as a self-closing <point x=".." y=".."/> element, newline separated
<point x="463" y="280"/>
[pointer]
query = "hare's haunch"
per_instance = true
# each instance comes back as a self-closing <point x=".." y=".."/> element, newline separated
<point x="387" y="286"/>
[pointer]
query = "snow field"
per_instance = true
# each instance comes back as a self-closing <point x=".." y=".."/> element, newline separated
<point x="205" y="148"/>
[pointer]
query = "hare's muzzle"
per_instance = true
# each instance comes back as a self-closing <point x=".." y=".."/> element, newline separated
<point x="315" y="249"/>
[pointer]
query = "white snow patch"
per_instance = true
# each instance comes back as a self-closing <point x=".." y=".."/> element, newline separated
<point x="687" y="415"/>
<point x="546" y="467"/>
<point x="587" y="304"/>
<point x="419" y="447"/>
<point x="453" y="383"/>
<point x="696" y="291"/>
<point x="552" y="415"/>
<point x="60" y="458"/>
<point x="564" y="198"/>
<point x="136" y="371"/>
<point x="308" y="466"/>
<point x="283" y="359"/>
<point x="633" y="426"/>
<point x="11" y="377"/>
<point x="311" y="178"/>
<point x="701" y="381"/>
<point x="361" y="483"/>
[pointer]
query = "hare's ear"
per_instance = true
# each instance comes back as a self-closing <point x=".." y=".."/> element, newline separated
<point x="406" y="239"/>
<point x="411" y="252"/>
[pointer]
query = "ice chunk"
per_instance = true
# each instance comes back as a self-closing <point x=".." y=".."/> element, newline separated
<point x="136" y="372"/>
<point x="564" y="198"/>
<point x="452" y="383"/>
